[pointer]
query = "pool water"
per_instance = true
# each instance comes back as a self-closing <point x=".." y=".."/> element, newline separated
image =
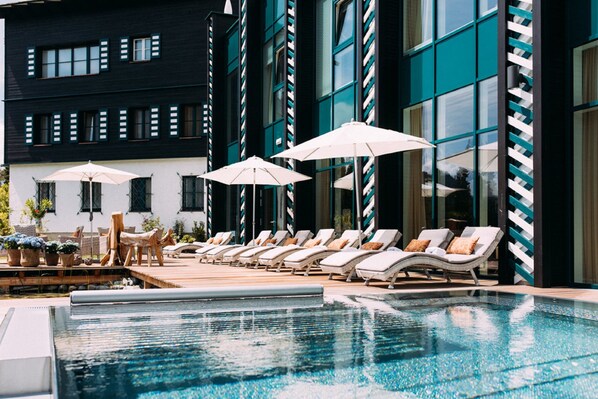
<point x="452" y="345"/>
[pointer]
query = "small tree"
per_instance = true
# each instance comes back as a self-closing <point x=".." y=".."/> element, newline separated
<point x="36" y="212"/>
<point x="5" y="211"/>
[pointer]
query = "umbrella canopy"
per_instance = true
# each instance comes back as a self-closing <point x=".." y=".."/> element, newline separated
<point x="487" y="158"/>
<point x="254" y="171"/>
<point x="346" y="183"/>
<point x="355" y="139"/>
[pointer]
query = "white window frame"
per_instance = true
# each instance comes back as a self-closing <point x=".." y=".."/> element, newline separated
<point x="144" y="46"/>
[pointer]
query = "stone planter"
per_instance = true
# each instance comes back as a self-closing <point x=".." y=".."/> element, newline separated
<point x="52" y="259"/>
<point x="30" y="257"/>
<point x="67" y="260"/>
<point x="13" y="257"/>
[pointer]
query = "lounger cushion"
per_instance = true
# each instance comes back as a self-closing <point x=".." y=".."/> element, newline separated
<point x="456" y="258"/>
<point x="338" y="244"/>
<point x="372" y="246"/>
<point x="312" y="242"/>
<point x="417" y="246"/>
<point x="384" y="260"/>
<point x="217" y="241"/>
<point x="438" y="237"/>
<point x="270" y="241"/>
<point x="211" y="240"/>
<point x="290" y="241"/>
<point x="304" y="254"/>
<point x="462" y="245"/>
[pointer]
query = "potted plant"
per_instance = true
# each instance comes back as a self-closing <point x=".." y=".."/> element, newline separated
<point x="51" y="253"/>
<point x="67" y="250"/>
<point x="30" y="250"/>
<point x="11" y="244"/>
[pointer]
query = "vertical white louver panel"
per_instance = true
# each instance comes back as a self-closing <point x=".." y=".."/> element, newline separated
<point x="156" y="45"/>
<point x="103" y="124"/>
<point x="56" y="128"/>
<point x="122" y="123"/>
<point x="173" y="120"/>
<point x="31" y="62"/>
<point x="29" y="129"/>
<point x="204" y="130"/>
<point x="154" y="122"/>
<point x="73" y="127"/>
<point x="104" y="66"/>
<point x="124" y="49"/>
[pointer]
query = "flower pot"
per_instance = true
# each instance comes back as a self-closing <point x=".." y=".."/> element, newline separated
<point x="67" y="260"/>
<point x="52" y="259"/>
<point x="30" y="257"/>
<point x="14" y="257"/>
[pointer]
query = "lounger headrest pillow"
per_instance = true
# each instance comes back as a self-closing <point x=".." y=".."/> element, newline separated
<point x="417" y="245"/>
<point x="217" y="241"/>
<point x="462" y="245"/>
<point x="372" y="246"/>
<point x="77" y="233"/>
<point x="312" y="242"/>
<point x="210" y="240"/>
<point x="290" y="241"/>
<point x="338" y="244"/>
<point x="270" y="241"/>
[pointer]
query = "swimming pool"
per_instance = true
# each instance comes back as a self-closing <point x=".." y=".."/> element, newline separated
<point x="453" y="344"/>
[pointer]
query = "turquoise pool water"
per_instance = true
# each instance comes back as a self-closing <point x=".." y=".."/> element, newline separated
<point x="452" y="345"/>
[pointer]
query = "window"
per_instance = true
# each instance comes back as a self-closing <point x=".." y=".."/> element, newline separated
<point x="47" y="191"/>
<point x="453" y="14"/>
<point x="192" y="122"/>
<point x="42" y="129"/>
<point x="488" y="103"/>
<point x="140" y="124"/>
<point x="90" y="129"/>
<point x="97" y="196"/>
<point x="232" y="105"/>
<point x="487" y="6"/>
<point x="344" y="21"/>
<point x="455" y="113"/>
<point x="141" y="195"/>
<point x="142" y="49"/>
<point x="344" y="67"/>
<point x="417" y="23"/>
<point x="323" y="47"/>
<point x="72" y="61"/>
<point x="192" y="194"/>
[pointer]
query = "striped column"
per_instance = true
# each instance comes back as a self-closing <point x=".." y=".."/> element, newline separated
<point x="520" y="149"/>
<point x="243" y="113"/>
<point x="210" y="125"/>
<point x="369" y="107"/>
<point x="290" y="114"/>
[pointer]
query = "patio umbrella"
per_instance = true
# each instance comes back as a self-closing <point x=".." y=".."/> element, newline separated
<point x="355" y="139"/>
<point x="254" y="171"/>
<point x="93" y="174"/>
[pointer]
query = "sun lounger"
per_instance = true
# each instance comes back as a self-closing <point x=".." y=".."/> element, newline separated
<point x="232" y="257"/>
<point x="387" y="265"/>
<point x="343" y="263"/>
<point x="226" y="239"/>
<point x="217" y="253"/>
<point x="176" y="250"/>
<point x="275" y="257"/>
<point x="309" y="258"/>
<point x="251" y="256"/>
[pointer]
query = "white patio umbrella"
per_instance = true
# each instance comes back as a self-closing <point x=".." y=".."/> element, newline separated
<point x="254" y="171"/>
<point x="355" y="139"/>
<point x="346" y="183"/>
<point x="93" y="174"/>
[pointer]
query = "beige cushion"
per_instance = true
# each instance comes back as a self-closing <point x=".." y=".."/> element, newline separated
<point x="217" y="241"/>
<point x="372" y="246"/>
<point x="270" y="241"/>
<point x="338" y="244"/>
<point x="290" y="241"/>
<point x="417" y="246"/>
<point x="312" y="242"/>
<point x="210" y="240"/>
<point x="462" y="245"/>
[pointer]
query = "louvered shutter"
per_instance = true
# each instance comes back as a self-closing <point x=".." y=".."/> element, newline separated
<point x="104" y="66"/>
<point x="29" y="129"/>
<point x="154" y="122"/>
<point x="173" y="117"/>
<point x="156" y="45"/>
<point x="103" y="122"/>
<point x="73" y="127"/>
<point x="124" y="49"/>
<point x="122" y="124"/>
<point x="31" y="62"/>
<point x="56" y="128"/>
<point x="205" y="120"/>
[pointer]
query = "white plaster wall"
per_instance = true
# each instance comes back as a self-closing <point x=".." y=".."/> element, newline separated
<point x="166" y="193"/>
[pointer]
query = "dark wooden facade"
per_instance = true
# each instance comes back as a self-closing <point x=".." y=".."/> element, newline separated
<point x="177" y="76"/>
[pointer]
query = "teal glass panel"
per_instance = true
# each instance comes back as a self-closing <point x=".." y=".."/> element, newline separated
<point x="279" y="10"/>
<point x="344" y="21"/>
<point x="455" y="63"/>
<point x="594" y="22"/>
<point x="278" y="134"/>
<point x="344" y="67"/>
<point x="453" y="14"/>
<point x="233" y="47"/>
<point x="418" y="76"/>
<point x="454" y="113"/>
<point x="268" y="13"/>
<point x="344" y="106"/>
<point x="324" y="116"/>
<point x="487" y="103"/>
<point x="268" y="149"/>
<point x="323" y="48"/>
<point x="488" y="47"/>
<point x="232" y="153"/>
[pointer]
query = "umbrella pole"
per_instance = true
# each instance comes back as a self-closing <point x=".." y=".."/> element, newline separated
<point x="357" y="194"/>
<point x="253" y="212"/>
<point x="91" y="213"/>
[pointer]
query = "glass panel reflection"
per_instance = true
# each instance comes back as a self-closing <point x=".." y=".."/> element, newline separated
<point x="455" y="113"/>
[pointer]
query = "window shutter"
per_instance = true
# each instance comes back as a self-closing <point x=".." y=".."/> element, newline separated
<point x="73" y="127"/>
<point x="29" y="129"/>
<point x="31" y="62"/>
<point x="156" y="45"/>
<point x="173" y="117"/>
<point x="103" y="122"/>
<point x="205" y="120"/>
<point x="124" y="49"/>
<point x="122" y="123"/>
<point x="56" y="128"/>
<point x="104" y="66"/>
<point x="154" y="122"/>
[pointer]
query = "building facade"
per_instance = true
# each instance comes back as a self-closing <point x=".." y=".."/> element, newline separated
<point x="506" y="90"/>
<point x="120" y="83"/>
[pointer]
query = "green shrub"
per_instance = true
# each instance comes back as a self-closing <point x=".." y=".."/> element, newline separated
<point x="149" y="223"/>
<point x="187" y="238"/>
<point x="5" y="211"/>
<point x="68" y="247"/>
<point x="199" y="231"/>
<point x="178" y="229"/>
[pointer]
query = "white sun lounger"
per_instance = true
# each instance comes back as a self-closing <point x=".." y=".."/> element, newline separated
<point x="275" y="257"/>
<point x="387" y="265"/>
<point x="217" y="253"/>
<point x="226" y="238"/>
<point x="232" y="257"/>
<point x="310" y="257"/>
<point x="251" y="256"/>
<point x="174" y="251"/>
<point x="343" y="262"/>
